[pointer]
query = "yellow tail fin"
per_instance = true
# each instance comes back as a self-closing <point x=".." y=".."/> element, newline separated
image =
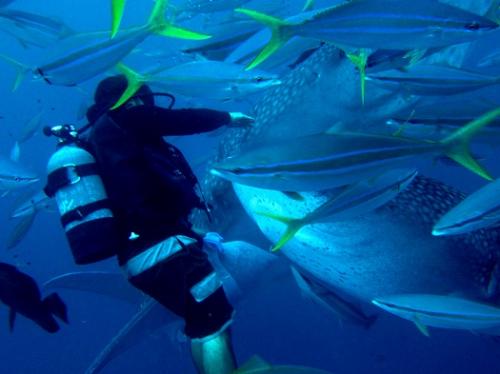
<point x="22" y="70"/>
<point x="160" y="26"/>
<point x="278" y="38"/>
<point x="457" y="144"/>
<point x="134" y="83"/>
<point x="292" y="227"/>
<point x="117" y="7"/>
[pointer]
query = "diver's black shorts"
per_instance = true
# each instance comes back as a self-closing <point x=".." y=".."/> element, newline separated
<point x="170" y="281"/>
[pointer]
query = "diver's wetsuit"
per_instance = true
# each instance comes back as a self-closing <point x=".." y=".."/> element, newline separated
<point x="151" y="189"/>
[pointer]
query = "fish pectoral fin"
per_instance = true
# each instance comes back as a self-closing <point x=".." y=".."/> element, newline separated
<point x="12" y="319"/>
<point x="420" y="326"/>
<point x="56" y="306"/>
<point x="254" y="364"/>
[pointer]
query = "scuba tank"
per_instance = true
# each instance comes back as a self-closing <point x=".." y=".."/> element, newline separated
<point x="74" y="180"/>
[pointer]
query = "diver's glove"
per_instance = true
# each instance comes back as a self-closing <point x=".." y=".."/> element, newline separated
<point x="239" y="119"/>
<point x="213" y="240"/>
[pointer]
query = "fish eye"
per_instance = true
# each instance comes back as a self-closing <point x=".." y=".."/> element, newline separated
<point x="259" y="78"/>
<point x="472" y="26"/>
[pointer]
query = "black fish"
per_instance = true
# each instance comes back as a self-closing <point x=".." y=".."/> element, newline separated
<point x="21" y="294"/>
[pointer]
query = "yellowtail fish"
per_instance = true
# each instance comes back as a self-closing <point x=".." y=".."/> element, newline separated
<point x="328" y="160"/>
<point x="33" y="29"/>
<point x="378" y="24"/>
<point x="441" y="311"/>
<point x="478" y="210"/>
<point x="205" y="79"/>
<point x="432" y="80"/>
<point x="90" y="60"/>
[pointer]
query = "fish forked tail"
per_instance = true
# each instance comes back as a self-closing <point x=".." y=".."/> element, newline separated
<point x="56" y="306"/>
<point x="278" y="38"/>
<point x="159" y="25"/>
<point x="493" y="12"/>
<point x="117" y="7"/>
<point x="457" y="144"/>
<point x="134" y="83"/>
<point x="293" y="225"/>
<point x="22" y="70"/>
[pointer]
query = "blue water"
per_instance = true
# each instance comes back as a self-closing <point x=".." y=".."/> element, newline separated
<point x="275" y="322"/>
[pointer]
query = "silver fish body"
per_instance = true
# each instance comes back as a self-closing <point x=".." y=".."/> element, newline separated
<point x="432" y="80"/>
<point x="322" y="161"/>
<point x="393" y="24"/>
<point x="442" y="311"/>
<point x="479" y="210"/>
<point x="14" y="175"/>
<point x="50" y="27"/>
<point x="90" y="60"/>
<point x="213" y="79"/>
<point x="34" y="203"/>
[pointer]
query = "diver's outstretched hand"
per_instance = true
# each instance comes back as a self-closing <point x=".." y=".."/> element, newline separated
<point x="239" y="119"/>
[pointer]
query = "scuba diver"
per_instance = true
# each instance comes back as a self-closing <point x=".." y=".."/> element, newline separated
<point x="151" y="190"/>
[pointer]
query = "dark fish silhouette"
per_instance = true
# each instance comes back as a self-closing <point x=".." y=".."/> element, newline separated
<point x="21" y="294"/>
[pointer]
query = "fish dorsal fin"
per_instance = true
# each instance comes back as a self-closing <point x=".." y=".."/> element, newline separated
<point x="304" y="286"/>
<point x="254" y="363"/>
<point x="12" y="319"/>
<point x="420" y="326"/>
<point x="335" y="129"/>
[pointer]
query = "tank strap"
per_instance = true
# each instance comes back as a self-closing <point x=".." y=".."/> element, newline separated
<point x="83" y="211"/>
<point x="66" y="175"/>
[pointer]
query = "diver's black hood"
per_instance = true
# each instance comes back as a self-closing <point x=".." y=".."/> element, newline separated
<point x="109" y="90"/>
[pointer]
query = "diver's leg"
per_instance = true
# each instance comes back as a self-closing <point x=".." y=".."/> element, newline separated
<point x="214" y="354"/>
<point x="186" y="284"/>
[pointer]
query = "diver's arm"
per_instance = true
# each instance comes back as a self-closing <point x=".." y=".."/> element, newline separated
<point x="163" y="122"/>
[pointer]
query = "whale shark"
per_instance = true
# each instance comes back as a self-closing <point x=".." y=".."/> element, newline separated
<point x="387" y="251"/>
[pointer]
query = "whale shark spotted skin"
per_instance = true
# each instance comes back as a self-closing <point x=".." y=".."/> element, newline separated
<point x="387" y="251"/>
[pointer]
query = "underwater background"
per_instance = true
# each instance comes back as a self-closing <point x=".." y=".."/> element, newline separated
<point x="275" y="322"/>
